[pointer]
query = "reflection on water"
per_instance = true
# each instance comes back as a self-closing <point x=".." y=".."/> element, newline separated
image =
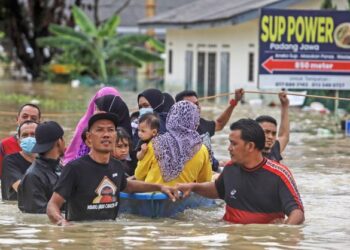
<point x="320" y="164"/>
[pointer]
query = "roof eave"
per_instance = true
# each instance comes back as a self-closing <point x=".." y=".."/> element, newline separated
<point x="237" y="19"/>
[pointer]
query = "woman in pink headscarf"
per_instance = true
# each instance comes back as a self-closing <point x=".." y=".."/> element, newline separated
<point x="77" y="147"/>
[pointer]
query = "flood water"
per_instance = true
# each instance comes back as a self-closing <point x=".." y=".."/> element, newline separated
<point x="319" y="160"/>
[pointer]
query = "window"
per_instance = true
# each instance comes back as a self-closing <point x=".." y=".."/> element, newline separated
<point x="211" y="73"/>
<point x="225" y="74"/>
<point x="170" y="61"/>
<point x="251" y="67"/>
<point x="188" y="69"/>
<point x="200" y="73"/>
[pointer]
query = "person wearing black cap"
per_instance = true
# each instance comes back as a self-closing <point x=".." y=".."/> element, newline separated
<point x="91" y="184"/>
<point x="36" y="187"/>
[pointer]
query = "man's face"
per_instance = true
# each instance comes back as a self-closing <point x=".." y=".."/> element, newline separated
<point x="194" y="100"/>
<point x="102" y="136"/>
<point x="28" y="113"/>
<point x="27" y="130"/>
<point x="237" y="148"/>
<point x="270" y="131"/>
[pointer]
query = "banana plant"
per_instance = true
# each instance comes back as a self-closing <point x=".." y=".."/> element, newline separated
<point x="98" y="49"/>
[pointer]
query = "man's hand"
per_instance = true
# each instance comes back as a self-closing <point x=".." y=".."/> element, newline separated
<point x="186" y="189"/>
<point x="63" y="223"/>
<point x="239" y="94"/>
<point x="283" y="99"/>
<point x="171" y="192"/>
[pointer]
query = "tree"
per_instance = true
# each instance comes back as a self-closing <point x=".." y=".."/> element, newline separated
<point x="97" y="49"/>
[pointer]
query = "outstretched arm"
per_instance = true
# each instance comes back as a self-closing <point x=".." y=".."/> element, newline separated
<point x="206" y="189"/>
<point x="222" y="120"/>
<point x="53" y="210"/>
<point x="141" y="186"/>
<point x="283" y="131"/>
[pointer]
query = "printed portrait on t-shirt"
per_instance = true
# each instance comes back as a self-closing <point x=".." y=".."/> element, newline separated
<point x="106" y="192"/>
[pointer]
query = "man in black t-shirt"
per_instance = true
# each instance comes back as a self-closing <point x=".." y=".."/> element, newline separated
<point x="15" y="165"/>
<point x="91" y="185"/>
<point x="274" y="146"/>
<point x="255" y="189"/>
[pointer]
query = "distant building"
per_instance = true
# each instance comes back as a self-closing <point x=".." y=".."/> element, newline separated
<point x="212" y="45"/>
<point x="131" y="13"/>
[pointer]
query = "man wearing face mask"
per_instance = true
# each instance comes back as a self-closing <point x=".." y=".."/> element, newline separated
<point x="15" y="165"/>
<point x="36" y="187"/>
<point x="10" y="145"/>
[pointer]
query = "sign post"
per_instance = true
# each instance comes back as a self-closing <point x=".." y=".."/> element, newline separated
<point x="304" y="49"/>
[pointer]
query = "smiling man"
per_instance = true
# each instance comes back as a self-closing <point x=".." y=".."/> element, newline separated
<point x="255" y="189"/>
<point x="91" y="184"/>
<point x="275" y="144"/>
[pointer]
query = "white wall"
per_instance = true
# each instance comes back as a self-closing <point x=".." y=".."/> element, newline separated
<point x="242" y="39"/>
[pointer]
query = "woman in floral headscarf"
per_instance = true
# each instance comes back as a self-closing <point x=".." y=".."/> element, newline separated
<point x="177" y="156"/>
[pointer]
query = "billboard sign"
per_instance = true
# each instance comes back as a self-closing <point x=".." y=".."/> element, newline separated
<point x="304" y="49"/>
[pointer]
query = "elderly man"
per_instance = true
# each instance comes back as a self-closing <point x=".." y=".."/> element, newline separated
<point x="255" y="189"/>
<point x="91" y="184"/>
<point x="10" y="144"/>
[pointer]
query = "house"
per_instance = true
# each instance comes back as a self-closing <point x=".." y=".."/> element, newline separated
<point x="212" y="45"/>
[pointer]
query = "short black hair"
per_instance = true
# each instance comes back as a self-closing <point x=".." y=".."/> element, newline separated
<point x="251" y="131"/>
<point x="186" y="93"/>
<point x="134" y="115"/>
<point x="123" y="135"/>
<point x="266" y="118"/>
<point x="25" y="122"/>
<point x="83" y="134"/>
<point x="151" y="120"/>
<point x="31" y="105"/>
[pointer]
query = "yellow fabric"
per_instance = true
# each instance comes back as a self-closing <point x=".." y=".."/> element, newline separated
<point x="197" y="169"/>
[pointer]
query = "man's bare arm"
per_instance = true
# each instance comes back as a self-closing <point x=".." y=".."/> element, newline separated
<point x="53" y="209"/>
<point x="283" y="131"/>
<point x="222" y="120"/>
<point x="296" y="217"/>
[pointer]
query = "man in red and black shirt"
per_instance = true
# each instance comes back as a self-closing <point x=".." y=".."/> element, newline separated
<point x="255" y="189"/>
<point x="10" y="144"/>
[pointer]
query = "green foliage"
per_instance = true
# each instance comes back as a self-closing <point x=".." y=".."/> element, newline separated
<point x="328" y="4"/>
<point x="97" y="51"/>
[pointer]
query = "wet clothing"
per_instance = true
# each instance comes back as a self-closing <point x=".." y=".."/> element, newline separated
<point x="197" y="169"/>
<point x="206" y="126"/>
<point x="14" y="167"/>
<point x="258" y="195"/>
<point x="275" y="153"/>
<point x="91" y="189"/>
<point x="36" y="187"/>
<point x="8" y="146"/>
